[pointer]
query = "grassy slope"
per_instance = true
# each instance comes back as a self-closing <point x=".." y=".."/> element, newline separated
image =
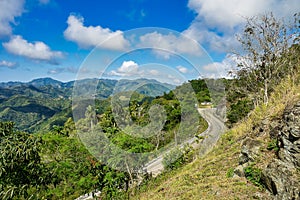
<point x="206" y="177"/>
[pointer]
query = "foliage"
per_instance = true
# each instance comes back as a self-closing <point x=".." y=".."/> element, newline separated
<point x="20" y="163"/>
<point x="238" y="110"/>
<point x="76" y="172"/>
<point x="266" y="57"/>
<point x="56" y="164"/>
<point x="254" y="175"/>
<point x="273" y="145"/>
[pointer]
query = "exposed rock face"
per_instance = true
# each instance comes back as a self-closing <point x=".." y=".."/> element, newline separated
<point x="281" y="176"/>
<point x="250" y="150"/>
<point x="279" y="179"/>
<point x="289" y="137"/>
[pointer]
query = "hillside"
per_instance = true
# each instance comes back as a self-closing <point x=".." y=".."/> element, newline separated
<point x="236" y="168"/>
<point x="41" y="103"/>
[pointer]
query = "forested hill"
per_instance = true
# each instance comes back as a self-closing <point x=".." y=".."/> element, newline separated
<point x="45" y="102"/>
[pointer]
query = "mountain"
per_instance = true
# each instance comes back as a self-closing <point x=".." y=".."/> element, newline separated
<point x="148" y="87"/>
<point x="44" y="102"/>
<point x="45" y="82"/>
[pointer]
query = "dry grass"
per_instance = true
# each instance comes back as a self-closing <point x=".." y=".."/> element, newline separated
<point x="206" y="177"/>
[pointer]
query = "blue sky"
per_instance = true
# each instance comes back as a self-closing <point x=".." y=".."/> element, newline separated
<point x="57" y="38"/>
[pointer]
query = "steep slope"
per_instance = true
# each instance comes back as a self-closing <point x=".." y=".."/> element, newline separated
<point x="219" y="175"/>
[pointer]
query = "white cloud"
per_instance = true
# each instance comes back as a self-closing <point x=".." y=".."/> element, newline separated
<point x="182" y="69"/>
<point x="9" y="9"/>
<point x="91" y="36"/>
<point x="213" y="41"/>
<point x="218" y="21"/>
<point x="128" y="68"/>
<point x="225" y="15"/>
<point x="220" y="69"/>
<point x="132" y="69"/>
<point x="8" y="64"/>
<point x="37" y="50"/>
<point x="166" y="44"/>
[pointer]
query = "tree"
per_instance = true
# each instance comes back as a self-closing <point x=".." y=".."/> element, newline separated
<point x="266" y="41"/>
<point x="20" y="163"/>
<point x="90" y="115"/>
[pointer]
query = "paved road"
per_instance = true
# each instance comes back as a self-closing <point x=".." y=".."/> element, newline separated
<point x="211" y="135"/>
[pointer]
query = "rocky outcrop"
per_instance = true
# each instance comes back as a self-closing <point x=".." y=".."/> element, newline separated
<point x="281" y="177"/>
<point x="289" y="137"/>
<point x="249" y="151"/>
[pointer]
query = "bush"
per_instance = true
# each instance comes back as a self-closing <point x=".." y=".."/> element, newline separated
<point x="254" y="175"/>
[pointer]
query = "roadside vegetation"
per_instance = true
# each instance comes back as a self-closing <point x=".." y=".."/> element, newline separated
<point x="54" y="164"/>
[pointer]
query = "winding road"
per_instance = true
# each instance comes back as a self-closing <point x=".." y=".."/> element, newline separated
<point x="211" y="135"/>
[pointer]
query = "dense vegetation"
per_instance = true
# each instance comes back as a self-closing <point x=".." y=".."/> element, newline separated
<point x="266" y="82"/>
<point x="54" y="164"/>
<point x="42" y="103"/>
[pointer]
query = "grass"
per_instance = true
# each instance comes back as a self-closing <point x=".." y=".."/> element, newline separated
<point x="210" y="177"/>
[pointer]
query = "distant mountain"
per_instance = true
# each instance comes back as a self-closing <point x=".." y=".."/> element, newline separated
<point x="45" y="82"/>
<point x="148" y="87"/>
<point x="45" y="102"/>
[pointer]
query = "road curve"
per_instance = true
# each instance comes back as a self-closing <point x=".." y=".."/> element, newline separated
<point x="211" y="135"/>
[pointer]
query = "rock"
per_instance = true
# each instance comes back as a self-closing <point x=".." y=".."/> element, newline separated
<point x="289" y="136"/>
<point x="278" y="179"/>
<point x="249" y="151"/>
<point x="239" y="171"/>
<point x="258" y="195"/>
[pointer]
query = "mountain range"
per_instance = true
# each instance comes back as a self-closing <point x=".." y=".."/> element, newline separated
<point x="41" y="103"/>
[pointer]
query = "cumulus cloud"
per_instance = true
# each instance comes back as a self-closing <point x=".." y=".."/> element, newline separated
<point x="91" y="36"/>
<point x="182" y="69"/>
<point x="9" y="10"/>
<point x="217" y="21"/>
<point x="166" y="44"/>
<point x="225" y="15"/>
<point x="8" y="64"/>
<point x="220" y="69"/>
<point x="131" y="68"/>
<point x="128" y="68"/>
<point x="36" y="50"/>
